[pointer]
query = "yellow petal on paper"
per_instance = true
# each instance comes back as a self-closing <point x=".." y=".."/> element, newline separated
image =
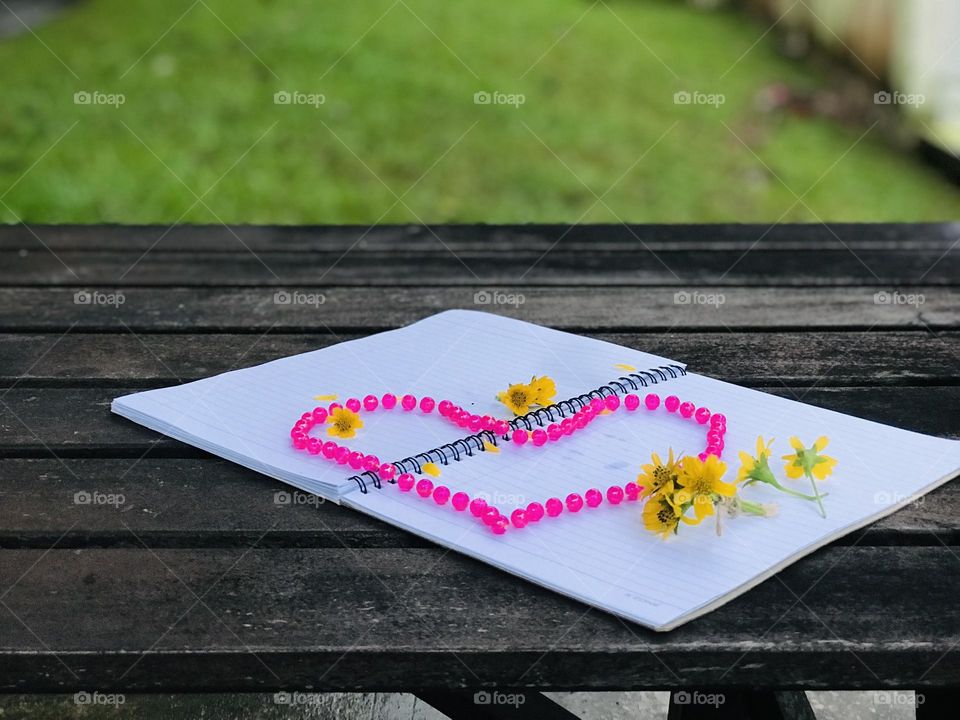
<point x="431" y="469"/>
<point x="321" y="398"/>
<point x="490" y="447"/>
<point x="624" y="366"/>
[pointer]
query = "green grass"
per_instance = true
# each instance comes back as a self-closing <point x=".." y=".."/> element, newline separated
<point x="399" y="117"/>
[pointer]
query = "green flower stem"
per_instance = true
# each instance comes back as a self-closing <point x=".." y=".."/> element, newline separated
<point x="788" y="491"/>
<point x="816" y="491"/>
<point x="752" y="508"/>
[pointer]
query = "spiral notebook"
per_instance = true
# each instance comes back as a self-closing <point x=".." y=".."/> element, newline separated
<point x="603" y="557"/>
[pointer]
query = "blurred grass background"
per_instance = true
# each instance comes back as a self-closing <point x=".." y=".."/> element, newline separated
<point x="399" y="78"/>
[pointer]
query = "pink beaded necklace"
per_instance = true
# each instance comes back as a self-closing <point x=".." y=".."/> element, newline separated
<point x="492" y="428"/>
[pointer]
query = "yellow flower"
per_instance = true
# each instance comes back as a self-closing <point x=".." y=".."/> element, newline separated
<point x="343" y="423"/>
<point x="544" y="390"/>
<point x="658" y="476"/>
<point x="518" y="398"/>
<point x="757" y="469"/>
<point x="663" y="517"/>
<point x="809" y="461"/>
<point x="431" y="469"/>
<point x="700" y="481"/>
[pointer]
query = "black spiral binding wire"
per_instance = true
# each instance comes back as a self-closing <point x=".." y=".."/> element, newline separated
<point x="466" y="446"/>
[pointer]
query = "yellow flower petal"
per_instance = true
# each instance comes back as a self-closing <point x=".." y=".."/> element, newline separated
<point x="793" y="471"/>
<point x="624" y="366"/>
<point x="821" y="442"/>
<point x="321" y="398"/>
<point x="795" y="443"/>
<point x="431" y="469"/>
<point x="490" y="447"/>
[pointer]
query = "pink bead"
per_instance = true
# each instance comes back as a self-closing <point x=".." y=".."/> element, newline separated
<point x="306" y="417"/>
<point x="686" y="409"/>
<point x="355" y="459"/>
<point x="353" y="404"/>
<point x="463" y="419"/>
<point x="712" y="450"/>
<point x="444" y="407"/>
<point x="370" y="403"/>
<point x="567" y="426"/>
<point x="387" y="471"/>
<point x="501" y="427"/>
<point x="581" y="420"/>
<point x="554" y="432"/>
<point x="441" y="494"/>
<point x="718" y="419"/>
<point x="460" y="501"/>
<point x="498" y="528"/>
<point x="371" y="463"/>
<point x="475" y="423"/>
<point x="518" y="518"/>
<point x="574" y="502"/>
<point x="534" y="512"/>
<point x="389" y="401"/>
<point x="478" y="506"/>
<point x="631" y="402"/>
<point x="343" y="455"/>
<point x="593" y="497"/>
<point x="671" y="403"/>
<point x="598" y="405"/>
<point x="319" y="415"/>
<point x="424" y="488"/>
<point x="554" y="507"/>
<point x="631" y="491"/>
<point x="313" y="446"/>
<point x="519" y="437"/>
<point x="703" y="457"/>
<point x="614" y="494"/>
<point x="427" y="404"/>
<point x="702" y="415"/>
<point x="333" y="406"/>
<point x="612" y="402"/>
<point x="487" y="423"/>
<point x="329" y="449"/>
<point x="405" y="482"/>
<point x="720" y="445"/>
<point x="539" y="437"/>
<point x="408" y="403"/>
<point x="713" y="437"/>
<point x="652" y="401"/>
<point x="490" y="515"/>
<point x="300" y="441"/>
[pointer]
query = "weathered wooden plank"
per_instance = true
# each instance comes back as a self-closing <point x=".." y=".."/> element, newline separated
<point x="508" y="268"/>
<point x="402" y="239"/>
<point x="32" y="419"/>
<point x="791" y="358"/>
<point x="202" y="503"/>
<point x="596" y="309"/>
<point x="362" y="619"/>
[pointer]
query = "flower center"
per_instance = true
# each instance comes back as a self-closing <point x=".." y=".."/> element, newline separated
<point x="343" y="424"/>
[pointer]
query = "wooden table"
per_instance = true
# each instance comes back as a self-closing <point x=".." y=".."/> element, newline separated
<point x="134" y="563"/>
